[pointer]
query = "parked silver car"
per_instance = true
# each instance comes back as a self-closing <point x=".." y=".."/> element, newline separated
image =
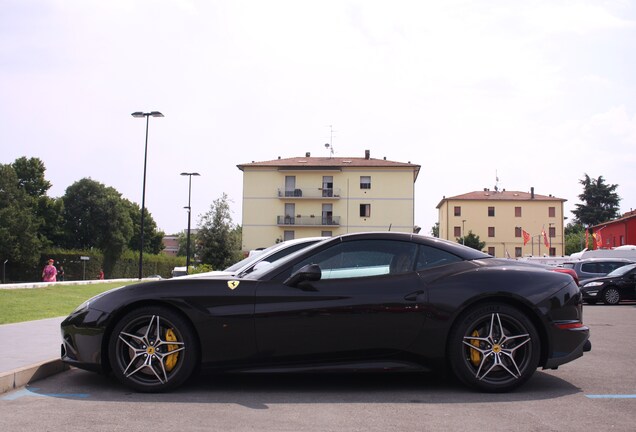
<point x="595" y="267"/>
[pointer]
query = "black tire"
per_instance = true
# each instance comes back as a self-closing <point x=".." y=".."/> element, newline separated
<point x="153" y="349"/>
<point x="611" y="296"/>
<point x="481" y="358"/>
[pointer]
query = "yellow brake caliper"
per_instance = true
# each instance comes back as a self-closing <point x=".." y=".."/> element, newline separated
<point x="475" y="356"/>
<point x="171" y="360"/>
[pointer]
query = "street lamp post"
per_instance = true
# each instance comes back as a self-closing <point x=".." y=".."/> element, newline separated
<point x="147" y="115"/>
<point x="189" y="216"/>
<point x="463" y="232"/>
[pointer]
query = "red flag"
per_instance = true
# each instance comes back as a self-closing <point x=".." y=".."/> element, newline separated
<point x="545" y="238"/>
<point x="526" y="237"/>
<point x="599" y="240"/>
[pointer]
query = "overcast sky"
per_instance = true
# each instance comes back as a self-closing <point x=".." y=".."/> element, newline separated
<point x="534" y="92"/>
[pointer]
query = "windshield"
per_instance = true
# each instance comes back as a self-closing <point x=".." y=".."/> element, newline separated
<point x="622" y="270"/>
<point x="245" y="261"/>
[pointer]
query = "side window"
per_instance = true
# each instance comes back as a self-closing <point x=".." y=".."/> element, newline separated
<point x="363" y="258"/>
<point x="429" y="257"/>
<point x="588" y="268"/>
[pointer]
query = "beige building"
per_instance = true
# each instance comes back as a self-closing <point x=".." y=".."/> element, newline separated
<point x="505" y="220"/>
<point x="325" y="196"/>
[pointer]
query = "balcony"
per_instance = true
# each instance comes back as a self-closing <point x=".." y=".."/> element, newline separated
<point x="308" y="221"/>
<point x="309" y="193"/>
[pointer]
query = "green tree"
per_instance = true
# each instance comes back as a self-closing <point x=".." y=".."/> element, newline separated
<point x="46" y="211"/>
<point x="153" y="238"/>
<point x="574" y="238"/>
<point x="30" y="174"/>
<point x="435" y="230"/>
<point x="183" y="243"/>
<point x="217" y="241"/>
<point x="96" y="216"/>
<point x="471" y="240"/>
<point x="19" y="240"/>
<point x="600" y="202"/>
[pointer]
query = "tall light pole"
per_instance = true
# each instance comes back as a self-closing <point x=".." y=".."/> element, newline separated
<point x="550" y="238"/>
<point x="463" y="233"/>
<point x="189" y="214"/>
<point x="140" y="114"/>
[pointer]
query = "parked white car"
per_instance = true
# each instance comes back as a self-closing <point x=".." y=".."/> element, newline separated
<point x="262" y="258"/>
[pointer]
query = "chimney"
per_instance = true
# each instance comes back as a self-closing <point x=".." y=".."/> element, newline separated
<point x="367" y="154"/>
<point x="532" y="192"/>
<point x="307" y="154"/>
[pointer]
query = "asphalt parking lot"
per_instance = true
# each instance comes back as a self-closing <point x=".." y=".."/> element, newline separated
<point x="594" y="393"/>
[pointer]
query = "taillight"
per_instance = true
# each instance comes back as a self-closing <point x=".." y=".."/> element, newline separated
<point x="568" y="271"/>
<point x="569" y="325"/>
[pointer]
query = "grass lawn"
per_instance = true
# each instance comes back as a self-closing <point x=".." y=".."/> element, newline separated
<point x="17" y="305"/>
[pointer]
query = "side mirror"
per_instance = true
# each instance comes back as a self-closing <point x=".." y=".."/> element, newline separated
<point x="308" y="273"/>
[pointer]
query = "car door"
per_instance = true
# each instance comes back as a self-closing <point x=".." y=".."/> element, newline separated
<point x="627" y="285"/>
<point x="367" y="302"/>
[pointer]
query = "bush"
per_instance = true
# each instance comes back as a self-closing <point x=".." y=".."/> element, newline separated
<point x="127" y="266"/>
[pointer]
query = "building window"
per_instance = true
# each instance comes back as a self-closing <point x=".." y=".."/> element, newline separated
<point x="517" y="211"/>
<point x="491" y="211"/>
<point x="288" y="235"/>
<point x="458" y="211"/>
<point x="326" y="233"/>
<point x="517" y="231"/>
<point x="551" y="211"/>
<point x="552" y="251"/>
<point x="518" y="252"/>
<point x="491" y="231"/>
<point x="365" y="210"/>
<point x="327" y="186"/>
<point x="491" y="250"/>
<point x="552" y="232"/>
<point x="457" y="231"/>
<point x="365" y="182"/>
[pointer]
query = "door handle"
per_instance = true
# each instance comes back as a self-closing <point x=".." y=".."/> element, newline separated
<point x="413" y="296"/>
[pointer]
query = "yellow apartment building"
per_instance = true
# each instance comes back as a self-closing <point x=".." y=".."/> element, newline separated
<point x="500" y="218"/>
<point x="310" y="196"/>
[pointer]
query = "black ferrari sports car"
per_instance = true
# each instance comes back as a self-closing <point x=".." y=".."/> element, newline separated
<point x="381" y="301"/>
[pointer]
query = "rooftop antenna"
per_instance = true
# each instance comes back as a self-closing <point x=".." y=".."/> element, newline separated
<point x="496" y="181"/>
<point x="329" y="145"/>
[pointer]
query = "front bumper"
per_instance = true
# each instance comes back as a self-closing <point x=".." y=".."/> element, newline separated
<point x="83" y="340"/>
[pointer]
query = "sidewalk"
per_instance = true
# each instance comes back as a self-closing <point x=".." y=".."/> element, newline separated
<point x="30" y="351"/>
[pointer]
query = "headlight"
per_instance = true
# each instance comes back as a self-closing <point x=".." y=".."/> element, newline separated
<point x="592" y="284"/>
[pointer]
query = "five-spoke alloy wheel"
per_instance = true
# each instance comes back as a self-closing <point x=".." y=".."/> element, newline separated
<point x="494" y="348"/>
<point x="153" y="349"/>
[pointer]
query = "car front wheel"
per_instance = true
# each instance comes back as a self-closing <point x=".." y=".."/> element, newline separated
<point x="611" y="296"/>
<point x="153" y="349"/>
<point x="494" y="348"/>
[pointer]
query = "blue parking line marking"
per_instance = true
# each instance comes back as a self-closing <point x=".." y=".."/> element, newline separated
<point x="612" y="396"/>
<point x="33" y="392"/>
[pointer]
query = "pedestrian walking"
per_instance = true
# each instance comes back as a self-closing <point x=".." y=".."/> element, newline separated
<point x="49" y="273"/>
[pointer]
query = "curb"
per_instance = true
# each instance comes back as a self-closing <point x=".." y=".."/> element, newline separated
<point x="20" y="377"/>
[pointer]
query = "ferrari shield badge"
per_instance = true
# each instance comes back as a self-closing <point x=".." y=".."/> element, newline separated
<point x="232" y="284"/>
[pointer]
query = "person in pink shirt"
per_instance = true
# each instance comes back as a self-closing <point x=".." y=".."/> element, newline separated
<point x="49" y="274"/>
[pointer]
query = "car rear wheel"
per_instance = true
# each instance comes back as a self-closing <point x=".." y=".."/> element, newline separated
<point x="494" y="348"/>
<point x="153" y="349"/>
<point x="611" y="296"/>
